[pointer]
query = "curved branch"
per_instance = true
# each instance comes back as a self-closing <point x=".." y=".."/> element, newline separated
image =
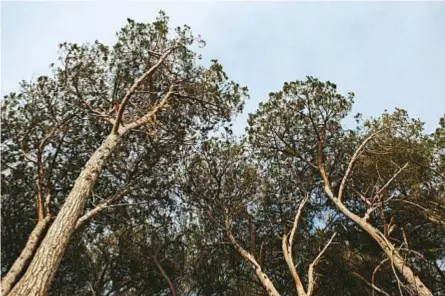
<point x="414" y="282"/>
<point x="262" y="277"/>
<point x="149" y="116"/>
<point x="136" y="84"/>
<point x="166" y="277"/>
<point x="287" y="249"/>
<point x="353" y="160"/>
<point x="374" y="287"/>
<point x="311" y="280"/>
<point x="102" y="206"/>
<point x="376" y="269"/>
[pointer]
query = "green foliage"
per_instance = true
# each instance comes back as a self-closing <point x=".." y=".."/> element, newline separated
<point x="181" y="186"/>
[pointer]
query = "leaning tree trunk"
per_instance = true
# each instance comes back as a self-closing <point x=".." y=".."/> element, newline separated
<point x="43" y="267"/>
<point x="398" y="262"/>
<point x="413" y="281"/>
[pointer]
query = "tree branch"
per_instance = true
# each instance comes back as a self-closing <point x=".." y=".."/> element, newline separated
<point x="149" y="116"/>
<point x="135" y="85"/>
<point x="393" y="255"/>
<point x="287" y="249"/>
<point x="166" y="277"/>
<point x="376" y="269"/>
<point x="262" y="277"/>
<point x="374" y="206"/>
<point x="311" y="279"/>
<point x="426" y="211"/>
<point x="371" y="285"/>
<point x="392" y="178"/>
<point x="351" y="163"/>
<point x="252" y="233"/>
<point x="102" y="206"/>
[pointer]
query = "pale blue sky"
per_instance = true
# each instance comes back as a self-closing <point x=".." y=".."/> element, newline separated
<point x="390" y="54"/>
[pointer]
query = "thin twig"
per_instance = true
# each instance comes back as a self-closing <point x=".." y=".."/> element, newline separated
<point x="374" y="287"/>
<point x="376" y="269"/>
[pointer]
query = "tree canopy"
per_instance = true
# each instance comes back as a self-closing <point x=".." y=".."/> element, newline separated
<point x="121" y="176"/>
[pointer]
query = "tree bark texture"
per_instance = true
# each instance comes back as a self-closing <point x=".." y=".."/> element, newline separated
<point x="31" y="245"/>
<point x="413" y="281"/>
<point x="43" y="267"/>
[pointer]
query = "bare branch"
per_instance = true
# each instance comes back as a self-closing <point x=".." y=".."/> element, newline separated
<point x="327" y="184"/>
<point x="26" y="154"/>
<point x="362" y="197"/>
<point x="376" y="269"/>
<point x="297" y="217"/>
<point x="40" y="170"/>
<point x="373" y="206"/>
<point x="369" y="212"/>
<point x="101" y="114"/>
<point x="405" y="237"/>
<point x="399" y="282"/>
<point x="392" y="178"/>
<point x="294" y="151"/>
<point x="166" y="277"/>
<point x="102" y="206"/>
<point x="261" y="253"/>
<point x="311" y="280"/>
<point x="41" y="206"/>
<point x="287" y="249"/>
<point x="48" y="201"/>
<point x="252" y="233"/>
<point x="351" y="163"/>
<point x="262" y="277"/>
<point x="136" y="84"/>
<point x="371" y="285"/>
<point x="149" y="116"/>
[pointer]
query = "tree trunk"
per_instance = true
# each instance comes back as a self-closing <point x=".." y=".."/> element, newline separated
<point x="391" y="252"/>
<point x="43" y="267"/>
<point x="17" y="267"/>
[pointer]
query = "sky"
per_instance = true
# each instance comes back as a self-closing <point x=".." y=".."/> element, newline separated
<point x="390" y="54"/>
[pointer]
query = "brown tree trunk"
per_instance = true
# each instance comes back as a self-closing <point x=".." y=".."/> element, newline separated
<point x="43" y="267"/>
<point x="17" y="267"/>
<point x="413" y="281"/>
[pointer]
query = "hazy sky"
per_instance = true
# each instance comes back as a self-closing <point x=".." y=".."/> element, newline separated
<point x="390" y="54"/>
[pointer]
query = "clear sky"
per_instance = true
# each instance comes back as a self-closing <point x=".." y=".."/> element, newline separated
<point x="391" y="54"/>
